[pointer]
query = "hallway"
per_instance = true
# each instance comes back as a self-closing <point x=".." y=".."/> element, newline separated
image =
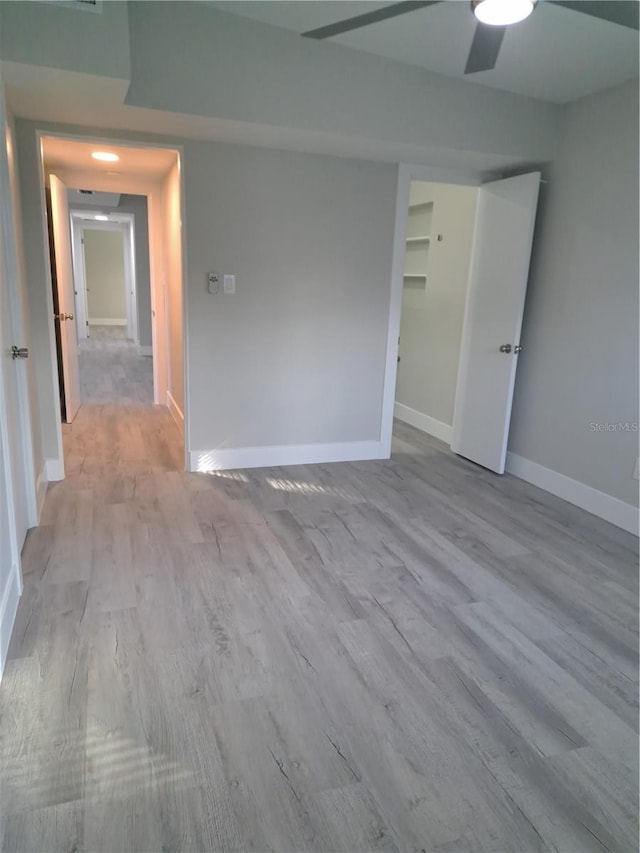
<point x="401" y="655"/>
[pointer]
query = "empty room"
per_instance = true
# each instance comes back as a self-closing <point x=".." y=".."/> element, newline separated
<point x="319" y="426"/>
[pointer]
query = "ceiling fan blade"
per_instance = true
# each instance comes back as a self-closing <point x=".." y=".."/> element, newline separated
<point x="367" y="18"/>
<point x="485" y="48"/>
<point x="623" y="12"/>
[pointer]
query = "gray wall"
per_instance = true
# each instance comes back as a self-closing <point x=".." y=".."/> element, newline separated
<point x="580" y="360"/>
<point x="297" y="356"/>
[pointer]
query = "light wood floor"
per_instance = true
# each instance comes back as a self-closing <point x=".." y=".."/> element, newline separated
<point x="402" y="655"/>
<point x="111" y="371"/>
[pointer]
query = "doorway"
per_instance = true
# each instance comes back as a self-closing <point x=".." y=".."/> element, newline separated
<point x="112" y="298"/>
<point x="460" y="271"/>
<point x="129" y="339"/>
<point x="439" y="236"/>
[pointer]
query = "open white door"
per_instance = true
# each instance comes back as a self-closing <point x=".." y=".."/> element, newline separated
<point x="66" y="300"/>
<point x="13" y="522"/>
<point x="493" y="318"/>
<point x="79" y="284"/>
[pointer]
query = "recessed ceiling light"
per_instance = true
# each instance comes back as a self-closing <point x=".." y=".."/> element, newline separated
<point x="101" y="217"/>
<point x="105" y="156"/>
<point x="501" y="13"/>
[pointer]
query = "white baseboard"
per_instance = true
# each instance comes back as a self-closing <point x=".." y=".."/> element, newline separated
<point x="416" y="419"/>
<point x="42" y="482"/>
<point x="143" y="350"/>
<point x="8" y="610"/>
<point x="176" y="412"/>
<point x="232" y="458"/>
<point x="54" y="470"/>
<point x="598" y="503"/>
<point x="102" y="321"/>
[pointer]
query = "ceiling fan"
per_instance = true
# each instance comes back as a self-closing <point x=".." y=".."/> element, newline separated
<point x="490" y="30"/>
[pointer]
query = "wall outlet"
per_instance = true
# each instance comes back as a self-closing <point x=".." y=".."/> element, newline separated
<point x="636" y="470"/>
<point x="213" y="282"/>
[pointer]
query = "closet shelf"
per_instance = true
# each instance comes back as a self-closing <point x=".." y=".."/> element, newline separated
<point x="415" y="241"/>
<point x="416" y="278"/>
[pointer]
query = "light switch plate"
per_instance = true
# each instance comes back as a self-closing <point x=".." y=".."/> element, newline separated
<point x="229" y="283"/>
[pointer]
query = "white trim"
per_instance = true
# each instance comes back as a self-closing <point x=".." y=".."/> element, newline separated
<point x="225" y="458"/>
<point x="123" y="223"/>
<point x="598" y="503"/>
<point x="42" y="482"/>
<point x="184" y="294"/>
<point x="131" y="282"/>
<point x="106" y="321"/>
<point x="176" y="412"/>
<point x="406" y="173"/>
<point x="54" y="470"/>
<point x="8" y="610"/>
<point x="53" y="353"/>
<point x="416" y="419"/>
<point x="145" y="350"/>
<point x="79" y="277"/>
<point x="395" y="308"/>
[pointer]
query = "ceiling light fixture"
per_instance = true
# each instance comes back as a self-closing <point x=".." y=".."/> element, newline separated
<point x="101" y="217"/>
<point x="105" y="156"/>
<point x="501" y="13"/>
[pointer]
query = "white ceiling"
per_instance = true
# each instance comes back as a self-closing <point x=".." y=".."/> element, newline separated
<point x="68" y="97"/>
<point x="64" y="154"/>
<point x="556" y="55"/>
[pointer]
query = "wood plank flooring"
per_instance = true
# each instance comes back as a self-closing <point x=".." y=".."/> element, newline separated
<point x="111" y="371"/>
<point x="401" y="656"/>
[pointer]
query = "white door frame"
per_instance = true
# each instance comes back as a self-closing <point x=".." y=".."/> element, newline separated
<point x="407" y="173"/>
<point x="125" y="223"/>
<point x="151" y="188"/>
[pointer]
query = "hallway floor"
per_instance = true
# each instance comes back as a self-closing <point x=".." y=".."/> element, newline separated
<point x="403" y="655"/>
<point x="111" y="370"/>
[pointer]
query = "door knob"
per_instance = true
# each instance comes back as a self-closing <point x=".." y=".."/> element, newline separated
<point x="68" y="316"/>
<point x="19" y="352"/>
<point x="517" y="349"/>
<point x="505" y="348"/>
